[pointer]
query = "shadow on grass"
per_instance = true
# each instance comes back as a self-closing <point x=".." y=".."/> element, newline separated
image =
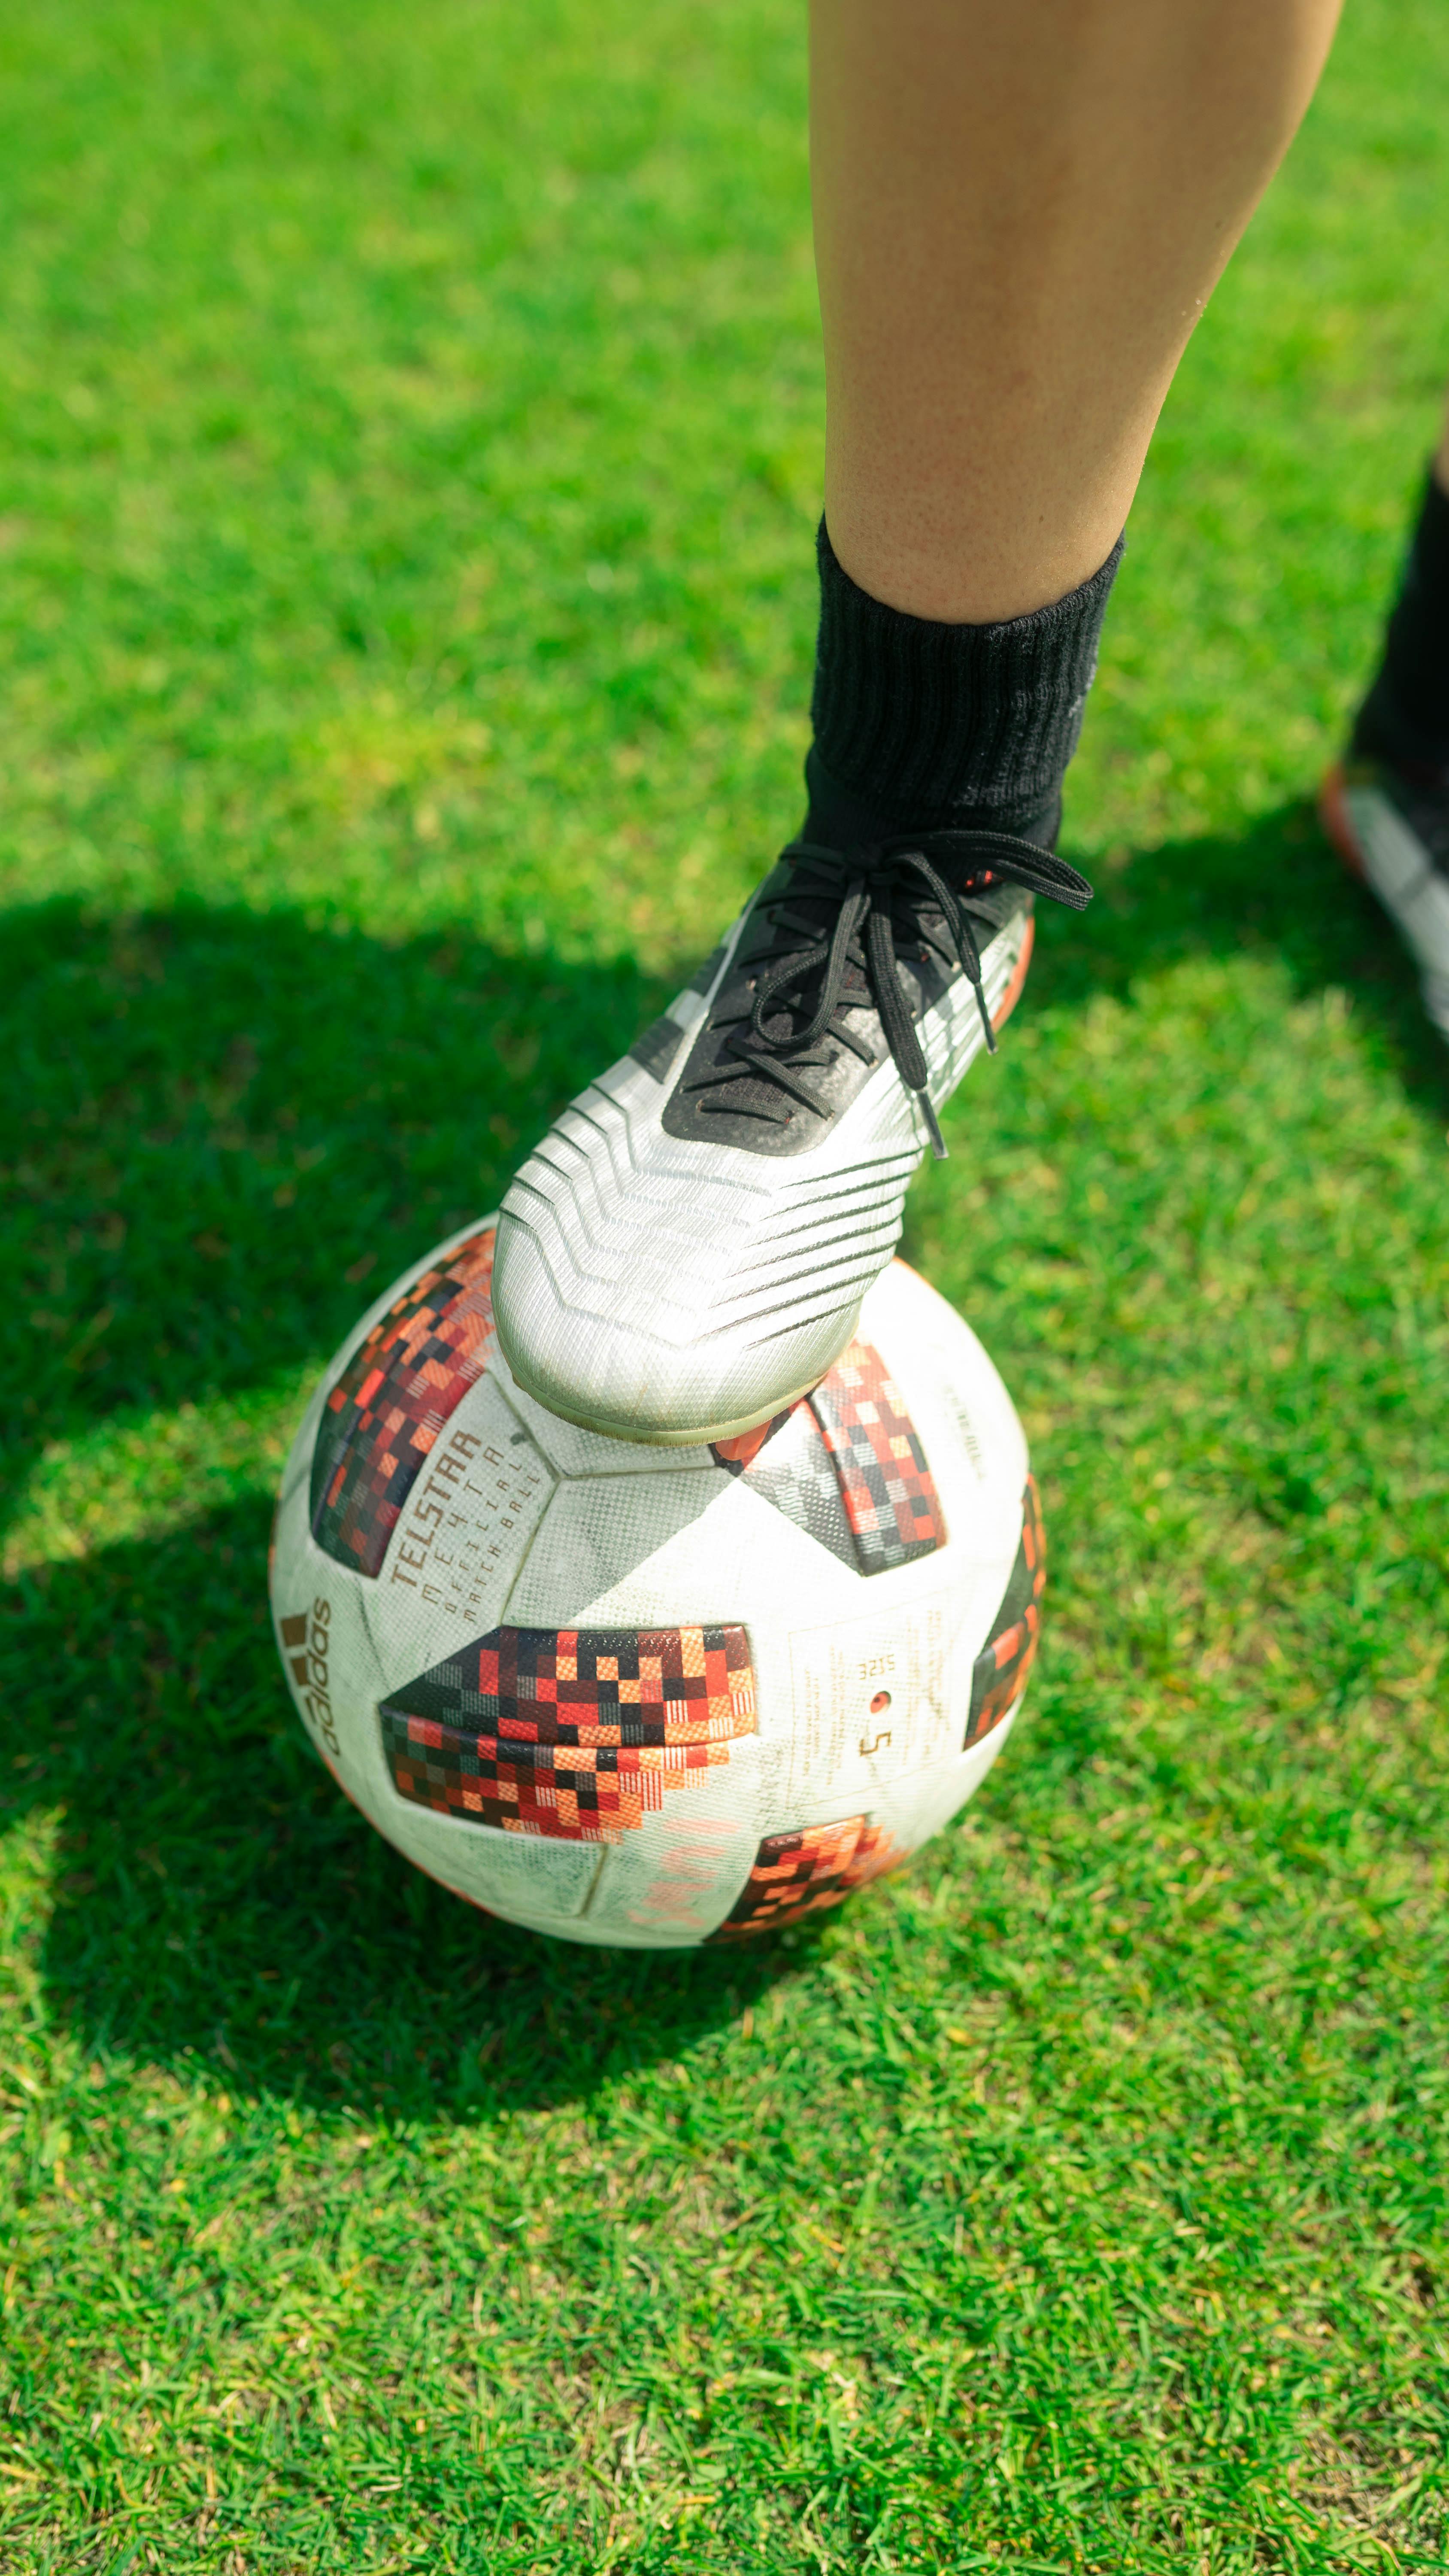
<point x="216" y="1903"/>
<point x="1275" y="888"/>
<point x="231" y="1129"/>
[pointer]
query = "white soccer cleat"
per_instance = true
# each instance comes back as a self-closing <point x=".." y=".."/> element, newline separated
<point x="1390" y="825"/>
<point x="686" y="1251"/>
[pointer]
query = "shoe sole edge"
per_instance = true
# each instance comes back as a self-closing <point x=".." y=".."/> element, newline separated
<point x="655" y="1438"/>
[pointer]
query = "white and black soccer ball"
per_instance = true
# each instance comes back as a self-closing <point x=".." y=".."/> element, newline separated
<point x="655" y="1697"/>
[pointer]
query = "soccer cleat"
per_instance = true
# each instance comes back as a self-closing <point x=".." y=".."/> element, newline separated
<point x="686" y="1252"/>
<point x="1389" y="823"/>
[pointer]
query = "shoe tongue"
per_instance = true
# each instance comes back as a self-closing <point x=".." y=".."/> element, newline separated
<point x="838" y="817"/>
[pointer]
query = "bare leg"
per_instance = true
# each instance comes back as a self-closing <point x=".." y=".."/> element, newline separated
<point x="1021" y="207"/>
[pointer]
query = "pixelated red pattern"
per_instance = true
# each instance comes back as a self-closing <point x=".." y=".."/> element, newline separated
<point x="574" y="1734"/>
<point x="888" y="1490"/>
<point x="802" y="1872"/>
<point x="741" y="1452"/>
<point x="881" y="1479"/>
<point x="392" y="1400"/>
<point x="999" y="1675"/>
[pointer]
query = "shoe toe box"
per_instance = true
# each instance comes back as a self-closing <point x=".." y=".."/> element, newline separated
<point x="643" y="1362"/>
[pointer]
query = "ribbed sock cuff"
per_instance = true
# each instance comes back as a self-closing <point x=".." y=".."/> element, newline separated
<point x="1405" y="716"/>
<point x="926" y="724"/>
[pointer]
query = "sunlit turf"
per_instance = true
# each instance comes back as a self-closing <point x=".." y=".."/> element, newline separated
<point x="412" y="442"/>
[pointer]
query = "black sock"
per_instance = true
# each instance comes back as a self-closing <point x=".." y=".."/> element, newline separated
<point x="920" y="725"/>
<point x="1405" y="716"/>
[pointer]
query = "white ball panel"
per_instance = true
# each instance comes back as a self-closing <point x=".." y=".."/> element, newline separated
<point x="572" y="1452"/>
<point x="521" y="1876"/>
<point x="916" y="1806"/>
<point x="593" y="1932"/>
<point x="675" y="1550"/>
<point x="327" y="1653"/>
<point x="672" y="1882"/>
<point x="910" y="1649"/>
<point x="466" y="1526"/>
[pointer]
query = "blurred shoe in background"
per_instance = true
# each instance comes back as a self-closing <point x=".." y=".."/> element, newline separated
<point x="1385" y="807"/>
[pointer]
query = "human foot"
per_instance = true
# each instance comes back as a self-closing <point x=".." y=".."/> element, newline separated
<point x="686" y="1251"/>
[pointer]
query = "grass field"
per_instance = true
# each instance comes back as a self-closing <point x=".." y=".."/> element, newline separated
<point x="412" y="434"/>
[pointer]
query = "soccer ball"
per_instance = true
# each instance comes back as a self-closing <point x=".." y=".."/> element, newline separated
<point x="655" y="1697"/>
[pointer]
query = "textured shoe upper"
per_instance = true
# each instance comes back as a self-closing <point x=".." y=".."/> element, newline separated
<point x="839" y="957"/>
<point x="643" y="1233"/>
<point x="688" y="1246"/>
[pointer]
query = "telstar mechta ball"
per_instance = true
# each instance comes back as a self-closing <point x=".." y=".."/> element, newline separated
<point x="655" y="1697"/>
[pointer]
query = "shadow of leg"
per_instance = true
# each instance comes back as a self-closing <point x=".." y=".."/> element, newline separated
<point x="215" y="1901"/>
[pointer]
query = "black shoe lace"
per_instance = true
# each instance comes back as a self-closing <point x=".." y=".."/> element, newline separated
<point x="878" y="891"/>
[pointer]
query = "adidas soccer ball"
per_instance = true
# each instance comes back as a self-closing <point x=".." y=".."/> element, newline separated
<point x="655" y="1697"/>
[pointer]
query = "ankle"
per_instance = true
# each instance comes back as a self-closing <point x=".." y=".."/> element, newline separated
<point x="921" y="725"/>
<point x="845" y="820"/>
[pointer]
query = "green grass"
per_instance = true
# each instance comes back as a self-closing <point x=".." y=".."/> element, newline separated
<point x="412" y="433"/>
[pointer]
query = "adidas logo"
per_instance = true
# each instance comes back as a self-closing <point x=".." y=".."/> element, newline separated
<point x="304" y="1649"/>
